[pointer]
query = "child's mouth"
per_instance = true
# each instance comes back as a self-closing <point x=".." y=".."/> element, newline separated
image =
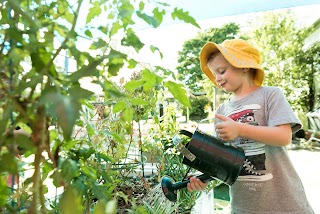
<point x="222" y="84"/>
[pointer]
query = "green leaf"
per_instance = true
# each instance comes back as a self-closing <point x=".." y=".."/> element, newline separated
<point x="153" y="49"/>
<point x="100" y="208"/>
<point x="132" y="63"/>
<point x="6" y="117"/>
<point x="67" y="112"/>
<point x="149" y="19"/>
<point x="89" y="171"/>
<point x="60" y="29"/>
<point x="90" y="130"/>
<point x="149" y="78"/>
<point x="25" y="143"/>
<point x="133" y="84"/>
<point x="158" y="15"/>
<point x="70" y="202"/>
<point x="98" y="44"/>
<point x="81" y="185"/>
<point x="77" y="93"/>
<point x="116" y="62"/>
<point x="128" y="114"/>
<point x="85" y="71"/>
<point x="8" y="163"/>
<point x="40" y="60"/>
<point x="132" y="40"/>
<point x="62" y="7"/>
<point x="178" y="92"/>
<point x="88" y="33"/>
<point x="115" y="28"/>
<point x="25" y="14"/>
<point x="69" y="16"/>
<point x="35" y="79"/>
<point x="94" y="11"/>
<point x="141" y="5"/>
<point x="118" y="137"/>
<point x="110" y="90"/>
<point x="111" y="15"/>
<point x="69" y="169"/>
<point x="104" y="157"/>
<point x="119" y="106"/>
<point x="114" y="66"/>
<point x="102" y="191"/>
<point x="4" y="191"/>
<point x="125" y="10"/>
<point x="184" y="16"/>
<point x="138" y="101"/>
<point x="62" y="107"/>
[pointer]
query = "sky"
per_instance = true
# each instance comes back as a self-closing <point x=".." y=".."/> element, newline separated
<point x="208" y="9"/>
<point x="169" y="38"/>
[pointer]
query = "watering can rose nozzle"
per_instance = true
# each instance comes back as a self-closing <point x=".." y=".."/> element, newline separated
<point x="176" y="139"/>
<point x="169" y="188"/>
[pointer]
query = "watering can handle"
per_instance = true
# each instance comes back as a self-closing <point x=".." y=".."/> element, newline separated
<point x="182" y="184"/>
<point x="186" y="133"/>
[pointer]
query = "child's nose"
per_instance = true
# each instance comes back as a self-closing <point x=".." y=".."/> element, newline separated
<point x="218" y="77"/>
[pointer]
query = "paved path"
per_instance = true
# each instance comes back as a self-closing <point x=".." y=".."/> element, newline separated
<point x="307" y="165"/>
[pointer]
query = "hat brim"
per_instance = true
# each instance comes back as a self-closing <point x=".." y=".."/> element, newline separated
<point x="231" y="56"/>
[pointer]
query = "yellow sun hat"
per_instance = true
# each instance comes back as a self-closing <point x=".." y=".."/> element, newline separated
<point x="238" y="53"/>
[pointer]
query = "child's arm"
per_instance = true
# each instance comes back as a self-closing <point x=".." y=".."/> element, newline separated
<point x="228" y="129"/>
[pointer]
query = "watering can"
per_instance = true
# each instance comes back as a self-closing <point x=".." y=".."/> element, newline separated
<point x="209" y="155"/>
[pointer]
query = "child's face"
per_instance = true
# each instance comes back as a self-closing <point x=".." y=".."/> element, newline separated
<point x="227" y="77"/>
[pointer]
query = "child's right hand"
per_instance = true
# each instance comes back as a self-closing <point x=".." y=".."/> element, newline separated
<point x="196" y="184"/>
<point x="228" y="129"/>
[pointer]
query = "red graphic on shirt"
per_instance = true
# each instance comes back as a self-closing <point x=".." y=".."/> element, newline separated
<point x="254" y="168"/>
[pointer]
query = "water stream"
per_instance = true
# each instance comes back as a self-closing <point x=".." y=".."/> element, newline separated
<point x="157" y="202"/>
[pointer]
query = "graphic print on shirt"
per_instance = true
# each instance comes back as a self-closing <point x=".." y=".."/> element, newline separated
<point x="254" y="168"/>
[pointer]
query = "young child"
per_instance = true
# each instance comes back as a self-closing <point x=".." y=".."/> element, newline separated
<point x="260" y="121"/>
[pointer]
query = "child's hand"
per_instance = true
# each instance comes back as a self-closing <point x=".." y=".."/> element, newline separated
<point x="196" y="184"/>
<point x="228" y="129"/>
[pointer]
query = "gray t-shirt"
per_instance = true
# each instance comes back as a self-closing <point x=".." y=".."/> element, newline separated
<point x="268" y="182"/>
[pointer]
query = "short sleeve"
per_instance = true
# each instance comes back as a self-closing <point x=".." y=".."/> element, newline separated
<point x="279" y="111"/>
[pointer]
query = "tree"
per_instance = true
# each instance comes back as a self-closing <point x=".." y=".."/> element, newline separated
<point x="50" y="102"/>
<point x="199" y="108"/>
<point x="280" y="40"/>
<point x="310" y="62"/>
<point x="188" y="62"/>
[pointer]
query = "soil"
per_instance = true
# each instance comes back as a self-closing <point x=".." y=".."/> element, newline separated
<point x="134" y="188"/>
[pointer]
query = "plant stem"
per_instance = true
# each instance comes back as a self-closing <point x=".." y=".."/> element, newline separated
<point x="35" y="181"/>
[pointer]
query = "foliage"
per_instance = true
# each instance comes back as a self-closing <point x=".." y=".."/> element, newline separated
<point x="171" y="160"/>
<point x="55" y="107"/>
<point x="281" y="43"/>
<point x="310" y="62"/>
<point x="199" y="108"/>
<point x="188" y="62"/>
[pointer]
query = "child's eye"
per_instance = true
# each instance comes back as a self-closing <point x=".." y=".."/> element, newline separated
<point x="222" y="72"/>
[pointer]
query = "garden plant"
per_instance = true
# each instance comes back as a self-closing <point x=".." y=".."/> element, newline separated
<point x="79" y="141"/>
